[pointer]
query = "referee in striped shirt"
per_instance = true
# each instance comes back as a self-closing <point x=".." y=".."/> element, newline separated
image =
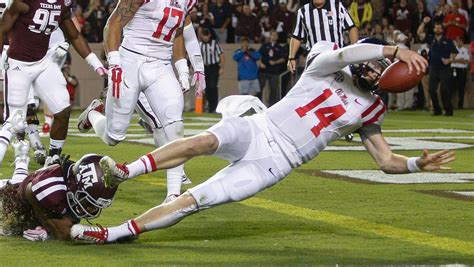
<point x="213" y="57"/>
<point x="321" y="20"/>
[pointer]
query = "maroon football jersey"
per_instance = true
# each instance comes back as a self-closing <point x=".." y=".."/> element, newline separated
<point x="29" y="37"/>
<point x="49" y="188"/>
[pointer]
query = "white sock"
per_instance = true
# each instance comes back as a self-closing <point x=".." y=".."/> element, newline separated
<point x="99" y="122"/>
<point x="56" y="144"/>
<point x="48" y="119"/>
<point x="33" y="134"/>
<point x="21" y="171"/>
<point x="173" y="180"/>
<point x="5" y="137"/>
<point x="144" y="164"/>
<point x="128" y="228"/>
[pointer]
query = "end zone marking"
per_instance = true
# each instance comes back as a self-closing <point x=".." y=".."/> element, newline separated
<point x="415" y="237"/>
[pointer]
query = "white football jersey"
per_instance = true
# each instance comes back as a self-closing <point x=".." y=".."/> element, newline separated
<point x="319" y="110"/>
<point x="152" y="30"/>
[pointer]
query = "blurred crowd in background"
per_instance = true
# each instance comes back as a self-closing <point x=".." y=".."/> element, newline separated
<point x="230" y="20"/>
<point x="264" y="28"/>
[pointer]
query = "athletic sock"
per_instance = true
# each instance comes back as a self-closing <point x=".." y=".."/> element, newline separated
<point x="126" y="229"/>
<point x="144" y="164"/>
<point x="55" y="146"/>
<point x="173" y="180"/>
<point x="98" y="122"/>
<point x="21" y="171"/>
<point x="5" y="137"/>
<point x="33" y="134"/>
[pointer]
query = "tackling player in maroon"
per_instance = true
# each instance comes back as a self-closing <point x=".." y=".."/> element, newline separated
<point x="29" y="24"/>
<point x="50" y="200"/>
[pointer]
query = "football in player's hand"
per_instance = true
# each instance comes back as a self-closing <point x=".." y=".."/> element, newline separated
<point x="395" y="79"/>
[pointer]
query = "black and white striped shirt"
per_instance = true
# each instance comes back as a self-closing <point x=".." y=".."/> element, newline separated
<point x="211" y="52"/>
<point x="322" y="24"/>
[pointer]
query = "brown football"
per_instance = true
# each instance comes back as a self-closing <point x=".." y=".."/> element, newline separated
<point x="395" y="79"/>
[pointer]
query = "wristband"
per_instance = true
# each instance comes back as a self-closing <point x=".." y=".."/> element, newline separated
<point x="395" y="53"/>
<point x="94" y="61"/>
<point x="182" y="66"/>
<point x="113" y="58"/>
<point x="292" y="58"/>
<point x="412" y="166"/>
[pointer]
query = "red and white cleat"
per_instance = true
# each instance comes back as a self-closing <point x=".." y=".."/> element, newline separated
<point x="89" y="233"/>
<point x="114" y="173"/>
<point x="83" y="123"/>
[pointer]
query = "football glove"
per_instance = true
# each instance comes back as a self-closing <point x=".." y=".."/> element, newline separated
<point x="183" y="74"/>
<point x="37" y="234"/>
<point x="199" y="83"/>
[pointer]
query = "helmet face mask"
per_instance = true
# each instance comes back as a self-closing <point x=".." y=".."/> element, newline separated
<point x="367" y="75"/>
<point x="87" y="194"/>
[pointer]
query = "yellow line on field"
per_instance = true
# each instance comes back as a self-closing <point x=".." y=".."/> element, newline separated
<point x="160" y="182"/>
<point x="343" y="221"/>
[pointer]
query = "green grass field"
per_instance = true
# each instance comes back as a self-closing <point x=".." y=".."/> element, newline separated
<point x="309" y="218"/>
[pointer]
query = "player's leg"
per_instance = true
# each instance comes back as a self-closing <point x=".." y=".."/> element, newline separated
<point x="22" y="159"/>
<point x="32" y="129"/>
<point x="166" y="102"/>
<point x="238" y="181"/>
<point x="112" y="128"/>
<point x="16" y="85"/>
<point x="228" y="139"/>
<point x="50" y="86"/>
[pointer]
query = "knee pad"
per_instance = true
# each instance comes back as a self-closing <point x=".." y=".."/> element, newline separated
<point x="31" y="115"/>
<point x="173" y="131"/>
<point x="171" y="113"/>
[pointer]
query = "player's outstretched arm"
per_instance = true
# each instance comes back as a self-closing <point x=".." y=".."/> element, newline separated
<point x="326" y="62"/>
<point x="58" y="228"/>
<point x="80" y="44"/>
<point x="9" y="18"/>
<point x="392" y="163"/>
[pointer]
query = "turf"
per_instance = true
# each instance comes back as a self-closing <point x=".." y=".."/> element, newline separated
<point x="306" y="219"/>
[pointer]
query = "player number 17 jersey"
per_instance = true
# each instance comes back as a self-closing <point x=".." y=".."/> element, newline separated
<point x="152" y="30"/>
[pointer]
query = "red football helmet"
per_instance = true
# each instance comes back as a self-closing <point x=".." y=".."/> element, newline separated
<point x="87" y="194"/>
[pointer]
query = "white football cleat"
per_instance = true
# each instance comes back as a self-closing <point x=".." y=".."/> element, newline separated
<point x="18" y="122"/>
<point x="22" y="150"/>
<point x="89" y="233"/>
<point x="83" y="123"/>
<point x="185" y="179"/>
<point x="114" y="173"/>
<point x="51" y="160"/>
<point x="39" y="153"/>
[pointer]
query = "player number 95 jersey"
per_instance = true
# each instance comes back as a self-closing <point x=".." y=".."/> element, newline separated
<point x="152" y="30"/>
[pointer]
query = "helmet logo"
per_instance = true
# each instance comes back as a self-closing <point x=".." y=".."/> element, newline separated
<point x="87" y="175"/>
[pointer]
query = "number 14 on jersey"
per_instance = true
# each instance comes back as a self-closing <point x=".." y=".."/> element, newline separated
<point x="326" y="115"/>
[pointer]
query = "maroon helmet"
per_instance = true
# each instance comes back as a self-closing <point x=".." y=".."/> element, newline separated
<point x="87" y="194"/>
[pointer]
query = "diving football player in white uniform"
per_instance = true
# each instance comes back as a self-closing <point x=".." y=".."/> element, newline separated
<point x="332" y="98"/>
<point x="153" y="32"/>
